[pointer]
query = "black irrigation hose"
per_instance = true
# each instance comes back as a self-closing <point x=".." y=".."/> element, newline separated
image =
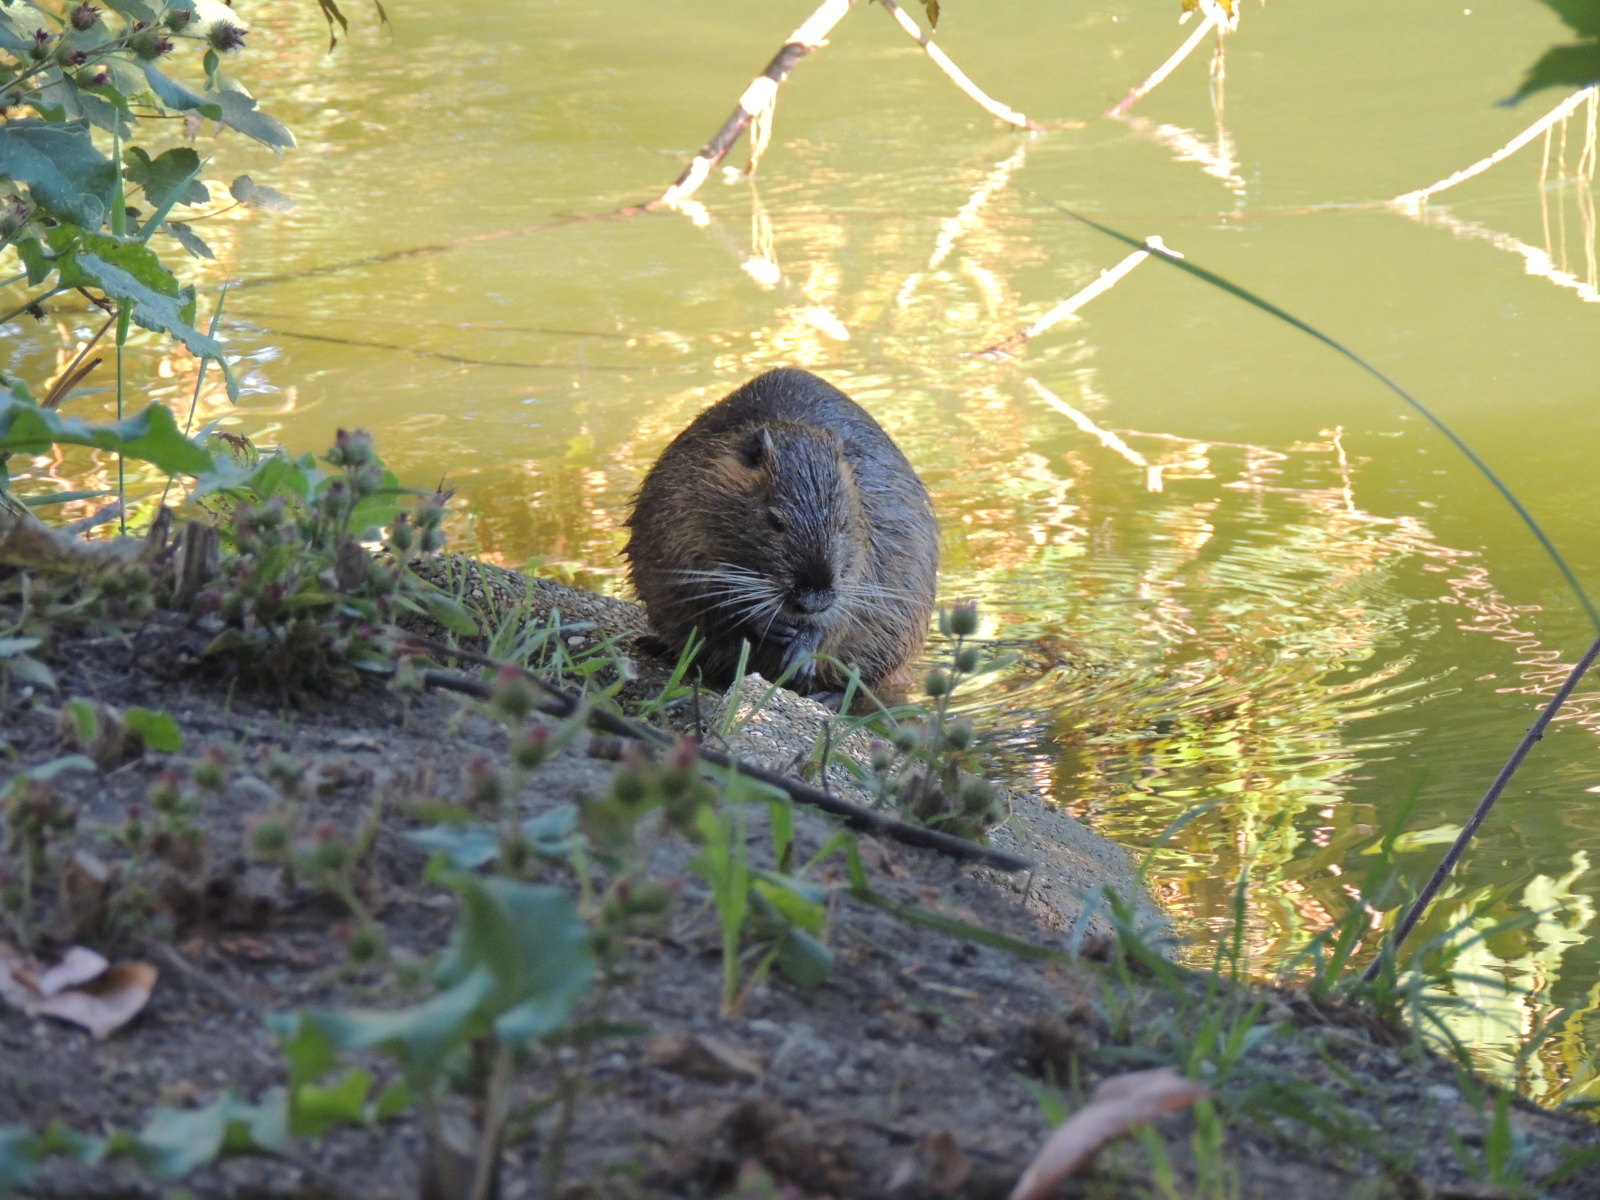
<point x="562" y="703"/>
<point x="1459" y="846"/>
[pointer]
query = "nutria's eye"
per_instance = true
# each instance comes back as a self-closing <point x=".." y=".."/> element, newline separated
<point x="779" y="525"/>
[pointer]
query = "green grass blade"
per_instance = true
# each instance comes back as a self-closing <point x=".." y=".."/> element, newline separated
<point x="1271" y="309"/>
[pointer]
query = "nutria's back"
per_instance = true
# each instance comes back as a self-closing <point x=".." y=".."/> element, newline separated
<point x="786" y="517"/>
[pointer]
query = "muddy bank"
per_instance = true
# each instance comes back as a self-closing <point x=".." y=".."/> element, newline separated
<point x="925" y="1064"/>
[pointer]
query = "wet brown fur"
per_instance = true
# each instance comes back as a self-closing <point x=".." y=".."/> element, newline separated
<point x="786" y="517"/>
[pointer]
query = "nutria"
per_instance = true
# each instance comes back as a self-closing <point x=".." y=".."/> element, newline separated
<point x="784" y="516"/>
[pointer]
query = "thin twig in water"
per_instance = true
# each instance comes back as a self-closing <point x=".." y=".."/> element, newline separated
<point x="1215" y="19"/>
<point x="1464" y="838"/>
<point x="1107" y="280"/>
<point x="757" y="98"/>
<point x="1413" y="201"/>
<point x="991" y="106"/>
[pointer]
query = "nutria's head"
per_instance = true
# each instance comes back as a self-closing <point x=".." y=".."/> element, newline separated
<point x="784" y="543"/>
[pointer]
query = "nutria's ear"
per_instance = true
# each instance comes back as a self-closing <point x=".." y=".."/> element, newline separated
<point x="757" y="449"/>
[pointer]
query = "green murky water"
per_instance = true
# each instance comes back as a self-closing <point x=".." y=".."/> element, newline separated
<point x="1237" y="570"/>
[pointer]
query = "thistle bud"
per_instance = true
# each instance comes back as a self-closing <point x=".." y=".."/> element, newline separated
<point x="484" y="785"/>
<point x="513" y="697"/>
<point x="937" y="684"/>
<point x="964" y="619"/>
<point x="351" y="448"/>
<point x="365" y="945"/>
<point x="961" y="735"/>
<point x="968" y="660"/>
<point x="86" y="16"/>
<point x="164" y="795"/>
<point x="150" y="45"/>
<point x="270" y="839"/>
<point x="530" y="751"/>
<point x="225" y="38"/>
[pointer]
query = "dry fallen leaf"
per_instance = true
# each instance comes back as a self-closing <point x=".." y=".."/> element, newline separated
<point x="82" y="988"/>
<point x="708" y="1057"/>
<point x="1117" y="1105"/>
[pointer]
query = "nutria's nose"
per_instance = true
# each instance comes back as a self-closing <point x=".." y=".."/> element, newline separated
<point x="813" y="589"/>
<point x="813" y="600"/>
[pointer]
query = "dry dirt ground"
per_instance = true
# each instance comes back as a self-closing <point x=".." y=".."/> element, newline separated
<point x="916" y="1070"/>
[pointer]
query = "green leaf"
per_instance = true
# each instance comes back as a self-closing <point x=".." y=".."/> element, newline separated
<point x="180" y="96"/>
<point x="796" y="903"/>
<point x="159" y="730"/>
<point x="47" y="771"/>
<point x="176" y="1141"/>
<point x="81" y="1148"/>
<point x="134" y="10"/>
<point x="467" y="846"/>
<point x="50" y="498"/>
<point x="392" y="1101"/>
<point x="20" y="1152"/>
<point x="18" y="645"/>
<point x="309" y="1053"/>
<point x="421" y="1038"/>
<point x="167" y="177"/>
<point x="188" y="239"/>
<point x="379" y="509"/>
<point x="152" y="309"/>
<point x="803" y="960"/>
<point x="247" y="191"/>
<point x="152" y="436"/>
<point x="552" y="833"/>
<point x="39" y="265"/>
<point x="1577" y="65"/>
<point x="931" y="7"/>
<point x="24" y="668"/>
<point x="315" y="1109"/>
<point x="85" y="720"/>
<point x="239" y="111"/>
<point x="450" y="613"/>
<point x="532" y="942"/>
<point x="65" y="174"/>
<point x="1583" y="16"/>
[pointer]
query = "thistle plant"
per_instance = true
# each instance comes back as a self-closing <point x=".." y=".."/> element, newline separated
<point x="929" y="767"/>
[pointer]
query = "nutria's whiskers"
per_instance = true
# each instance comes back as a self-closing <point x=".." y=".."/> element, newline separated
<point x="786" y="518"/>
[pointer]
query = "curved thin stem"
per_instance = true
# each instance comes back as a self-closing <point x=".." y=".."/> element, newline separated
<point x="1464" y="838"/>
<point x="1455" y="439"/>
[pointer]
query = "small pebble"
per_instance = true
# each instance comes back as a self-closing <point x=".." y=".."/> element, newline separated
<point x="1443" y="1093"/>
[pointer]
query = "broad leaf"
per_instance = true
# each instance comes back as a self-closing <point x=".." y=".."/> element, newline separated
<point x="188" y="239"/>
<point x="246" y="191"/>
<point x="152" y="436"/>
<point x="176" y="1141"/>
<point x="159" y="730"/>
<point x="533" y="943"/>
<point x="65" y="174"/>
<point x="239" y="111"/>
<point x="421" y="1038"/>
<point x="467" y="846"/>
<point x="316" y="1109"/>
<point x="20" y="1152"/>
<point x="160" y="177"/>
<point x="180" y="96"/>
<point x="1583" y="16"/>
<point x="155" y="311"/>
<point x="1577" y="65"/>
